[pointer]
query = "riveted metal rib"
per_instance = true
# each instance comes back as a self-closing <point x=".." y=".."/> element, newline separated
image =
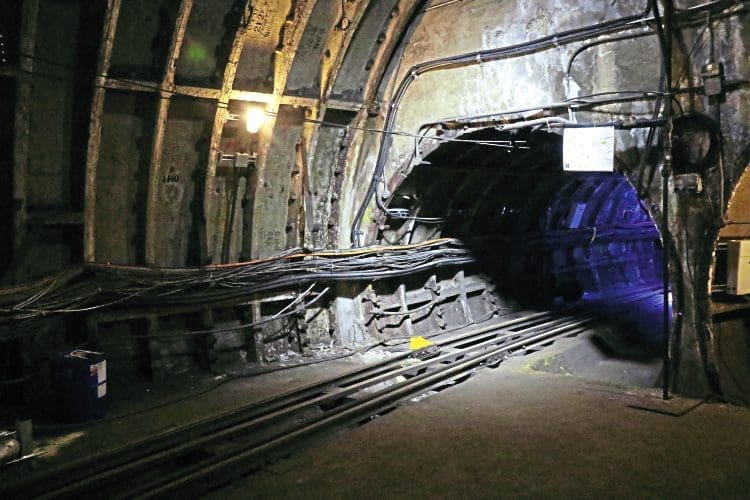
<point x="111" y="15"/>
<point x="160" y="126"/>
<point x="23" y="117"/>
<point x="212" y="208"/>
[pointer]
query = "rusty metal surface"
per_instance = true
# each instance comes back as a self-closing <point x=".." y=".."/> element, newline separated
<point x="374" y="84"/>
<point x="327" y="177"/>
<point x="95" y="129"/>
<point x="183" y="14"/>
<point x="144" y="31"/>
<point x="214" y="201"/>
<point x="295" y="218"/>
<point x="271" y="198"/>
<point x="256" y="67"/>
<point x="22" y="122"/>
<point x="208" y="37"/>
<point x="303" y="77"/>
<point x="428" y="304"/>
<point x="383" y="56"/>
<point x="339" y="40"/>
<point x="289" y="42"/>
<point x="364" y="48"/>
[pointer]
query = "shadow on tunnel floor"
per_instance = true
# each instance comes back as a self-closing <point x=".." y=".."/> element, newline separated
<point x="623" y="347"/>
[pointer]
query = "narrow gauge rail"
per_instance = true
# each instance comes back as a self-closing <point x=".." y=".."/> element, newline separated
<point x="199" y="457"/>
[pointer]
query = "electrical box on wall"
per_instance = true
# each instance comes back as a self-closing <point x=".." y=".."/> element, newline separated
<point x="589" y="149"/>
<point x="738" y="267"/>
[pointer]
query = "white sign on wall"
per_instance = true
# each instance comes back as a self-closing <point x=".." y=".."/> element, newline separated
<point x="589" y="149"/>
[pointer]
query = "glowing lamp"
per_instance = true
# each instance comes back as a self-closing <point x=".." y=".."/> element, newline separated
<point x="254" y="119"/>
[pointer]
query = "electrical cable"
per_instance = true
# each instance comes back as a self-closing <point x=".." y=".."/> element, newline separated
<point x="574" y="102"/>
<point x="603" y="41"/>
<point x="508" y="144"/>
<point x="467" y="59"/>
<point x="57" y="76"/>
<point x="445" y="3"/>
<point x="296" y="301"/>
<point x="243" y="326"/>
<point x="392" y="213"/>
<point x="103" y="286"/>
<point x="503" y="144"/>
<point x="16" y="381"/>
<point x="478" y="57"/>
<point x="697" y="45"/>
<point x="158" y="89"/>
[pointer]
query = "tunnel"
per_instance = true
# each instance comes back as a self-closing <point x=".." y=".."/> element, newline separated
<point x="335" y="247"/>
<point x="544" y="238"/>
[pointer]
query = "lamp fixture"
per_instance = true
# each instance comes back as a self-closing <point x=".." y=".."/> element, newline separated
<point x="255" y="117"/>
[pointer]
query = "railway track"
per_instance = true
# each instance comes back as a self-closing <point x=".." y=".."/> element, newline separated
<point x="191" y="460"/>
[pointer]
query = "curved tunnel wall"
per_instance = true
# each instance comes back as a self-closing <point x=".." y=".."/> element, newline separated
<point x="250" y="51"/>
<point x="541" y="234"/>
<point x="549" y="76"/>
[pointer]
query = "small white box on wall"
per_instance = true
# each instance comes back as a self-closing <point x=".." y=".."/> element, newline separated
<point x="589" y="149"/>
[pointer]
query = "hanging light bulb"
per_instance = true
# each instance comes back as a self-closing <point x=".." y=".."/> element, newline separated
<point x="255" y="116"/>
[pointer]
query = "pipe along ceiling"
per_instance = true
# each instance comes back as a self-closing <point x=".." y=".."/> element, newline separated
<point x="545" y="237"/>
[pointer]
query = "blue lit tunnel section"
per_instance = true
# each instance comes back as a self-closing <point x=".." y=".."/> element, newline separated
<point x="605" y="253"/>
<point x="546" y="238"/>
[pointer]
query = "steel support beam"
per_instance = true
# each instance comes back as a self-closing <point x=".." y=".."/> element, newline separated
<point x="22" y="122"/>
<point x="95" y="128"/>
<point x="234" y="95"/>
<point x="213" y="208"/>
<point x="160" y="127"/>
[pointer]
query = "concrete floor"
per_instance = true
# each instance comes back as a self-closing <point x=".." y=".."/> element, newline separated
<point x="517" y="432"/>
<point x="153" y="409"/>
<point x="513" y="431"/>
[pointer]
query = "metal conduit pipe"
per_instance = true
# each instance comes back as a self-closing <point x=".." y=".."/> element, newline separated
<point x="665" y="40"/>
<point x="521" y="49"/>
<point x="532" y="112"/>
<point x="472" y="58"/>
<point x="602" y="41"/>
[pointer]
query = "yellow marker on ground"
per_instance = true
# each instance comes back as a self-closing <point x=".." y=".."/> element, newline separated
<point x="417" y="343"/>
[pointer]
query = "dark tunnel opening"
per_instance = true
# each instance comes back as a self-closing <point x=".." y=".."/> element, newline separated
<point x="545" y="238"/>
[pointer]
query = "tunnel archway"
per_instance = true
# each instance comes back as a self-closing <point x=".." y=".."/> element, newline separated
<point x="544" y="237"/>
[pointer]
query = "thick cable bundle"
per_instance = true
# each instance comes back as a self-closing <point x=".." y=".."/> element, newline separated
<point x="98" y="286"/>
